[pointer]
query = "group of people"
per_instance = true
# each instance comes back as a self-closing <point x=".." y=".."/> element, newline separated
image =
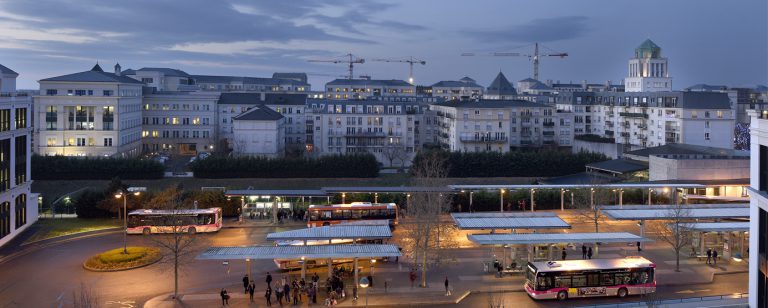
<point x="586" y="252"/>
<point x="711" y="256"/>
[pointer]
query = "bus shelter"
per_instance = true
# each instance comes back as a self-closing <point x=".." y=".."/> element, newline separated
<point x="666" y="212"/>
<point x="301" y="253"/>
<point x="728" y="235"/>
<point x="552" y="240"/>
<point x="267" y="202"/>
<point x="513" y="221"/>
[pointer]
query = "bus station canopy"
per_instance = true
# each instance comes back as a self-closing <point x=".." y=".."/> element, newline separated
<point x="276" y="192"/>
<point x="667" y="212"/>
<point x="555" y="238"/>
<point x="298" y="252"/>
<point x="575" y="186"/>
<point x="718" y="226"/>
<point x="386" y="189"/>
<point x="512" y="220"/>
<point x="365" y="232"/>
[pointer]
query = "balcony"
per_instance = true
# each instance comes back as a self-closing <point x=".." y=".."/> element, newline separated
<point x="483" y="139"/>
<point x="365" y="134"/>
<point x="633" y="115"/>
<point x="549" y="124"/>
<point x="548" y="133"/>
<point x="609" y="133"/>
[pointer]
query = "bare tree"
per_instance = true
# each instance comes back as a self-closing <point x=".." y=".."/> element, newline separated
<point x="178" y="246"/>
<point x="423" y="233"/>
<point x="393" y="151"/>
<point x="587" y="202"/>
<point x="240" y="146"/>
<point x="495" y="299"/>
<point x="85" y="297"/>
<point x="675" y="230"/>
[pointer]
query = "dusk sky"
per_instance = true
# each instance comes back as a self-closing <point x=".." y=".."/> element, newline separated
<point x="706" y="41"/>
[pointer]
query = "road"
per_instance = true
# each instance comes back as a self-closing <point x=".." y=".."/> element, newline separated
<point x="723" y="284"/>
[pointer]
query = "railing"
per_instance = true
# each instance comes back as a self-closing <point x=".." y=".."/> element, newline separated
<point x="633" y="114"/>
<point x="549" y="124"/>
<point x="482" y="139"/>
<point x="13" y="94"/>
<point x="667" y="302"/>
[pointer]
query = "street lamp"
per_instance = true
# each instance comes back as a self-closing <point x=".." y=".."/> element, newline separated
<point x="124" y="194"/>
<point x="343" y="198"/>
<point x="364" y="283"/>
<point x="501" y="200"/>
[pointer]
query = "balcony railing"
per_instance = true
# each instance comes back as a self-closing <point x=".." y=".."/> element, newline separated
<point x="483" y="139"/>
<point x="633" y="115"/>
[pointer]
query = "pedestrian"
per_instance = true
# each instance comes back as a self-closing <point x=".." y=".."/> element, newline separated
<point x="447" y="288"/>
<point x="312" y="293"/>
<point x="709" y="255"/>
<point x="279" y="294"/>
<point x="354" y="293"/>
<point x="589" y="253"/>
<point x="268" y="296"/>
<point x="251" y="290"/>
<point x="224" y="297"/>
<point x="583" y="252"/>
<point x="640" y="249"/>
<point x="564" y="254"/>
<point x="714" y="256"/>
<point x="412" y="277"/>
<point x="370" y="281"/>
<point x="245" y="283"/>
<point x="287" y="292"/>
<point x="269" y="279"/>
<point x="295" y="296"/>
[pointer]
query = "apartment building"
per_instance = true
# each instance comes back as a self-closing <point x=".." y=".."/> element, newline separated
<point x="646" y="119"/>
<point x="259" y="132"/>
<point x="179" y="122"/>
<point x="499" y="125"/>
<point x="343" y="89"/>
<point x="758" y="226"/>
<point x="500" y="88"/>
<point x="464" y="88"/>
<point x="90" y="113"/>
<point x="648" y="70"/>
<point x="161" y="79"/>
<point x="389" y="128"/>
<point x="18" y="206"/>
<point x="250" y="84"/>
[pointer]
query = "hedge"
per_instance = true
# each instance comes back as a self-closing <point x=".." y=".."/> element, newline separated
<point x="333" y="166"/>
<point x="87" y="168"/>
<point x="541" y="163"/>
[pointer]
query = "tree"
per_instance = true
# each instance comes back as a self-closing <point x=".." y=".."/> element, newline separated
<point x="675" y="230"/>
<point x="394" y="151"/>
<point x="177" y="247"/>
<point x="588" y="202"/>
<point x="423" y="233"/>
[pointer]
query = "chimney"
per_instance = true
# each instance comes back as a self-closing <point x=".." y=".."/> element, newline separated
<point x="584" y="84"/>
<point x="117" y="69"/>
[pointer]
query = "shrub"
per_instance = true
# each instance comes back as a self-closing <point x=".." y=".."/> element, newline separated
<point x="541" y="163"/>
<point x="117" y="255"/>
<point x="86" y="168"/>
<point x="332" y="166"/>
<point x="115" y="260"/>
<point x="86" y="204"/>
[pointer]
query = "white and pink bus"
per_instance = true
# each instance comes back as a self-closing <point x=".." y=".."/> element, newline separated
<point x="163" y="221"/>
<point x="590" y="278"/>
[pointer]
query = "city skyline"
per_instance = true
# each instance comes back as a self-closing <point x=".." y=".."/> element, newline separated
<point x="253" y="39"/>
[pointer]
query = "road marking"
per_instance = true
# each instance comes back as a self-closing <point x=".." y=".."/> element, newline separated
<point x="124" y="304"/>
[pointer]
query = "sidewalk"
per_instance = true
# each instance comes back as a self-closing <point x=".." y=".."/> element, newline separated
<point x="261" y="223"/>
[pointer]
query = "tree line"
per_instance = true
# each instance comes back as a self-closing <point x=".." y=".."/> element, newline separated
<point x="331" y="166"/>
<point x="90" y="168"/>
<point x="538" y="163"/>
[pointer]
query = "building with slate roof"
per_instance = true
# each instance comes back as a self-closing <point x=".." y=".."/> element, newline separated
<point x="464" y="88"/>
<point x="89" y="113"/>
<point x="250" y="84"/>
<point x="161" y="79"/>
<point x="18" y="206"/>
<point x="500" y="88"/>
<point x="499" y="125"/>
<point x="259" y="132"/>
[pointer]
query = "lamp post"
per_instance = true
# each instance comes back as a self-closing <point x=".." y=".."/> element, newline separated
<point x="364" y="283"/>
<point x="124" y="194"/>
<point x="343" y="198"/>
<point x="501" y="200"/>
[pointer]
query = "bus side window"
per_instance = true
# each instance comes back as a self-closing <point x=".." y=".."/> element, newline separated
<point x="544" y="283"/>
<point x="326" y="215"/>
<point x="622" y="278"/>
<point x="356" y="214"/>
<point x="563" y="281"/>
<point x="593" y="280"/>
<point x="579" y="281"/>
<point x="365" y="214"/>
<point x="607" y="279"/>
<point x="313" y="215"/>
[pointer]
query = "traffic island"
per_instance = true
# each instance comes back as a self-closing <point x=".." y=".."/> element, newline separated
<point x="116" y="260"/>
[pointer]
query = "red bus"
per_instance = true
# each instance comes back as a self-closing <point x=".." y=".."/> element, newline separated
<point x="324" y="215"/>
<point x="162" y="221"/>
<point x="590" y="278"/>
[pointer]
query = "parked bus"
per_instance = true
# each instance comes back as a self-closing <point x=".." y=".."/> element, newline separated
<point x="324" y="215"/>
<point x="162" y="221"/>
<point x="590" y="278"/>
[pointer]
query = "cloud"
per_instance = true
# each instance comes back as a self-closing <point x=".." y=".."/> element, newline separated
<point x="537" y="30"/>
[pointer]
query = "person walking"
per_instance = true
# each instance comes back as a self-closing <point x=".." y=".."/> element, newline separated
<point x="224" y="297"/>
<point x="245" y="283"/>
<point x="269" y="280"/>
<point x="268" y="296"/>
<point x="279" y="294"/>
<point x="589" y="253"/>
<point x="295" y="296"/>
<point x="564" y="254"/>
<point x="412" y="277"/>
<point x="251" y="290"/>
<point x="447" y="287"/>
<point x="583" y="252"/>
<point x="287" y="292"/>
<point x="709" y="255"/>
<point x="714" y="256"/>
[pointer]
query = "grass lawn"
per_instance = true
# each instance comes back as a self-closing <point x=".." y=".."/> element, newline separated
<point x="115" y="259"/>
<point x="50" y="228"/>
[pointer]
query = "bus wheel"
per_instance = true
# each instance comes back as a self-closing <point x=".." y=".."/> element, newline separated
<point x="562" y="295"/>
<point x="191" y="230"/>
<point x="146" y="231"/>
<point x="622" y="293"/>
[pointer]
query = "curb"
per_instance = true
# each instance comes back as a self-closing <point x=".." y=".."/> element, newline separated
<point x="37" y="247"/>
<point x="74" y="235"/>
<point x="122" y="269"/>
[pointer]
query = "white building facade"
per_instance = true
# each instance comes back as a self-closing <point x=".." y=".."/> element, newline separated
<point x="179" y="122"/>
<point x="259" y="132"/>
<point x="91" y="113"/>
<point x="344" y="89"/>
<point x="18" y="206"/>
<point x="758" y="227"/>
<point x="648" y="70"/>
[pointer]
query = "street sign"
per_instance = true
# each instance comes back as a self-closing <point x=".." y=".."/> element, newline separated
<point x="364" y="283"/>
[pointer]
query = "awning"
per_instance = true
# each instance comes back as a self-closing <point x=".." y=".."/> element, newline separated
<point x="298" y="252"/>
<point x="555" y="238"/>
<point x="691" y="212"/>
<point x="366" y="232"/>
<point x="275" y="192"/>
<point x="718" y="226"/>
<point x="511" y="220"/>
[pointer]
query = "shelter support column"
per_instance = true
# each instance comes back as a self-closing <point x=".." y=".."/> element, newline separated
<point x="702" y="239"/>
<point x="357" y="279"/>
<point x="531" y="249"/>
<point x="592" y="198"/>
<point x="621" y="198"/>
<point x="303" y="268"/>
<point x="562" y="199"/>
<point x="274" y="210"/>
<point x="248" y="268"/>
<point x="533" y="200"/>
<point x="642" y="233"/>
<point x="242" y="208"/>
<point x="330" y="268"/>
<point x="741" y="244"/>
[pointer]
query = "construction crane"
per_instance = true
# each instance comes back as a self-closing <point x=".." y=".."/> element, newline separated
<point x="351" y="62"/>
<point x="535" y="57"/>
<point x="410" y="62"/>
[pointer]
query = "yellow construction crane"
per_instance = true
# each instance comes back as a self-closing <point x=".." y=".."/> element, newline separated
<point x="410" y="62"/>
<point x="535" y="57"/>
<point x="351" y="62"/>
